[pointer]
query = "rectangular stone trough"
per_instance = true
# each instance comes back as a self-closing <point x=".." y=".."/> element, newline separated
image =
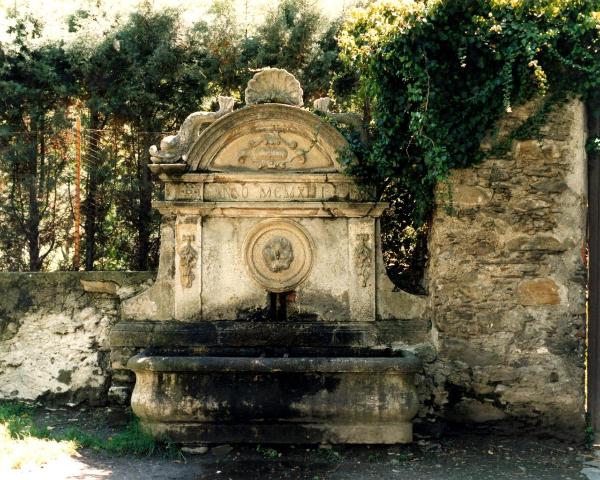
<point x="368" y="397"/>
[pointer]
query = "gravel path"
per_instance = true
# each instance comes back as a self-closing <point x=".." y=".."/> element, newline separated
<point x="465" y="457"/>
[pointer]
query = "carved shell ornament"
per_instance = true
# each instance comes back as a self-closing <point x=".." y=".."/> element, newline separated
<point x="274" y="85"/>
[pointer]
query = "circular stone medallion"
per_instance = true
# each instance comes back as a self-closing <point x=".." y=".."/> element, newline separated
<point x="278" y="254"/>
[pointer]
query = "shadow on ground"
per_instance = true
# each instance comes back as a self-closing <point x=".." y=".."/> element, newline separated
<point x="453" y="457"/>
<point x="469" y="457"/>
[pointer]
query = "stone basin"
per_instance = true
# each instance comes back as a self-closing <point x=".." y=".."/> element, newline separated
<point x="357" y="396"/>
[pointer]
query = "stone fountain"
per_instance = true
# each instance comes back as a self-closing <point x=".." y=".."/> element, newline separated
<point x="265" y="319"/>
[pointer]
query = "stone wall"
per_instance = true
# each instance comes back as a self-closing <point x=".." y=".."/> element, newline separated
<point x="507" y="283"/>
<point x="54" y="333"/>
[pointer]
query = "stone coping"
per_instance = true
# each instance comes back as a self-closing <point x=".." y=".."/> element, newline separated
<point x="272" y="209"/>
<point x="243" y="333"/>
<point x="406" y="363"/>
<point x="247" y="177"/>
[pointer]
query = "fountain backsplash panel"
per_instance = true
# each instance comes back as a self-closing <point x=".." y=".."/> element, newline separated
<point x="269" y="288"/>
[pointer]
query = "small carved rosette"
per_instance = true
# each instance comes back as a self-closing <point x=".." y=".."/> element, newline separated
<point x="278" y="254"/>
<point x="187" y="262"/>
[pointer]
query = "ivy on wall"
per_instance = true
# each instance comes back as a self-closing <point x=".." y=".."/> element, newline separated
<point x="440" y="73"/>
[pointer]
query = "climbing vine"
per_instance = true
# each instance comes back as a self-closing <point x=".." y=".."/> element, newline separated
<point x="440" y="73"/>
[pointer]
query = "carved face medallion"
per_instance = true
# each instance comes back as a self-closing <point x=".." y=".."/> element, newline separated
<point x="278" y="254"/>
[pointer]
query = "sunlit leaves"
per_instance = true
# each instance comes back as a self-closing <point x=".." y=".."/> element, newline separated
<point x="441" y="72"/>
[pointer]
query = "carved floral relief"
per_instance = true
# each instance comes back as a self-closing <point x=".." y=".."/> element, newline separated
<point x="363" y="258"/>
<point x="187" y="262"/>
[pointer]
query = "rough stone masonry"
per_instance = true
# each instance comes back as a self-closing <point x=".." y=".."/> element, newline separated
<point x="507" y="282"/>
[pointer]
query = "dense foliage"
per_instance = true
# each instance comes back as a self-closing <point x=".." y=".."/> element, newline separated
<point x="440" y="73"/>
<point x="35" y="86"/>
<point x="428" y="78"/>
<point x="141" y="79"/>
<point x="132" y="80"/>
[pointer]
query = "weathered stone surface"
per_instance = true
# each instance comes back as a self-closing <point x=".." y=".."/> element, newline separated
<point x="316" y="399"/>
<point x="119" y="395"/>
<point x="109" y="288"/>
<point x="274" y="85"/>
<point x="552" y="185"/>
<point x="201" y="450"/>
<point x="176" y="147"/>
<point x="267" y="138"/>
<point x="535" y="152"/>
<point x="471" y="410"/>
<point x="54" y="335"/>
<point x="462" y="350"/>
<point x="591" y="473"/>
<point x="506" y="285"/>
<point x="263" y="230"/>
<point x="316" y="248"/>
<point x="537" y="242"/>
<point x="542" y="291"/>
<point x="401" y="305"/>
<point x="470" y="196"/>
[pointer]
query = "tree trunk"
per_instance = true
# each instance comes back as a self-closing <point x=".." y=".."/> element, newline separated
<point x="33" y="217"/>
<point x="145" y="205"/>
<point x="90" y="209"/>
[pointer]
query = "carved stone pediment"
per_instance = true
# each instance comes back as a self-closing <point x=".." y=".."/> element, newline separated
<point x="270" y="134"/>
<point x="268" y="137"/>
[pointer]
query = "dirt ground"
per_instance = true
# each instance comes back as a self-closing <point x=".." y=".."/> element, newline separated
<point x="453" y="457"/>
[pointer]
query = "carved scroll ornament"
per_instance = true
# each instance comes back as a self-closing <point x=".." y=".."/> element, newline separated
<point x="187" y="262"/>
<point x="363" y="257"/>
<point x="272" y="151"/>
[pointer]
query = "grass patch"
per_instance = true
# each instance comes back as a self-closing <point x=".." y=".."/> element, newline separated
<point x="15" y="453"/>
<point x="268" y="453"/>
<point x="22" y="441"/>
<point x="131" y="441"/>
<point x="330" y="455"/>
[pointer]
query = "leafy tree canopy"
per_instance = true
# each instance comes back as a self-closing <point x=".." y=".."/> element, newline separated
<point x="441" y="72"/>
<point x="35" y="90"/>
